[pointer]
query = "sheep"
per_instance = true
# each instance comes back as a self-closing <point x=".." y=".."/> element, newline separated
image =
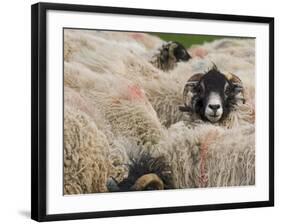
<point x="85" y="152"/>
<point x="127" y="111"/>
<point x="163" y="90"/>
<point x="169" y="55"/>
<point x="145" y="172"/>
<point x="192" y="157"/>
<point x="212" y="95"/>
<point x="208" y="156"/>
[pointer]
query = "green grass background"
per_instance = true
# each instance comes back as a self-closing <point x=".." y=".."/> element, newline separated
<point x="187" y="39"/>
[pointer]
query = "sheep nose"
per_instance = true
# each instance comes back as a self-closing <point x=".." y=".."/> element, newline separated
<point x="214" y="107"/>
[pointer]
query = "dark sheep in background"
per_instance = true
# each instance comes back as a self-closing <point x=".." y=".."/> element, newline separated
<point x="169" y="55"/>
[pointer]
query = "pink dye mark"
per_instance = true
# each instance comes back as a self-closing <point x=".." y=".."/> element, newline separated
<point x="137" y="36"/>
<point x="132" y="93"/>
<point x="205" y="143"/>
<point x="199" y="52"/>
<point x="135" y="92"/>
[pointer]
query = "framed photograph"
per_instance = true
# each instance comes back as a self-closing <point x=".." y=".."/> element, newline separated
<point x="139" y="111"/>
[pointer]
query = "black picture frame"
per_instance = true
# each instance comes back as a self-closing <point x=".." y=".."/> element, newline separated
<point x="39" y="108"/>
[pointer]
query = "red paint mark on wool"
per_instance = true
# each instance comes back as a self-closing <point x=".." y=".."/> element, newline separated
<point x="135" y="92"/>
<point x="198" y="52"/>
<point x="205" y="143"/>
<point x="137" y="36"/>
<point x="130" y="92"/>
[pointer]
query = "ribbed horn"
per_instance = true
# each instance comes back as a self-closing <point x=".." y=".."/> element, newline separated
<point x="189" y="87"/>
<point x="238" y="86"/>
<point x="233" y="78"/>
<point x="148" y="180"/>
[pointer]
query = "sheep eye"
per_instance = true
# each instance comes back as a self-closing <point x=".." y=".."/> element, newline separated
<point x="199" y="90"/>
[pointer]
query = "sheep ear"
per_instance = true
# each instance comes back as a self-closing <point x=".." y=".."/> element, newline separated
<point x="236" y="82"/>
<point x="189" y="88"/>
<point x="171" y="49"/>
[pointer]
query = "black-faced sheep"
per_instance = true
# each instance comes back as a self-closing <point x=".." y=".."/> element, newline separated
<point x="212" y="95"/>
<point x="169" y="55"/>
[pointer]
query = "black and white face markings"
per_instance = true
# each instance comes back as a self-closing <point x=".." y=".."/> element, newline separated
<point x="212" y="95"/>
<point x="180" y="52"/>
<point x="169" y="55"/>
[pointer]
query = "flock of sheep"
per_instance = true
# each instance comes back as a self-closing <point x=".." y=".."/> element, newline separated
<point x="123" y="127"/>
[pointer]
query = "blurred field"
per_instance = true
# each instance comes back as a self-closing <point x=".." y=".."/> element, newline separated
<point x="187" y="39"/>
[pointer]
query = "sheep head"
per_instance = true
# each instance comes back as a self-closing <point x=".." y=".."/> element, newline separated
<point x="170" y="54"/>
<point x="212" y="95"/>
<point x="145" y="173"/>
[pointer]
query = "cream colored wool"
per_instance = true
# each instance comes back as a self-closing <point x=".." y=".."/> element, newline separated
<point x="229" y="161"/>
<point x="116" y="106"/>
<point x="89" y="160"/>
<point x="85" y="153"/>
<point x="115" y="99"/>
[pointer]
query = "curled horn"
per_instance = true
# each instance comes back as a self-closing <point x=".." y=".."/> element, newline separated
<point x="146" y="180"/>
<point x="188" y="89"/>
<point x="238" y="86"/>
<point x="172" y="48"/>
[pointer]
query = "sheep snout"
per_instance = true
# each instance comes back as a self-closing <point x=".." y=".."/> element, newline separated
<point x="213" y="110"/>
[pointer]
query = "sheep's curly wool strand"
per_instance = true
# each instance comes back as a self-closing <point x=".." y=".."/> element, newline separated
<point x="85" y="152"/>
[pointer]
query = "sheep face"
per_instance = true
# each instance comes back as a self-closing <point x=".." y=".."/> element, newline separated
<point x="212" y="95"/>
<point x="180" y="52"/>
<point x="169" y="55"/>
